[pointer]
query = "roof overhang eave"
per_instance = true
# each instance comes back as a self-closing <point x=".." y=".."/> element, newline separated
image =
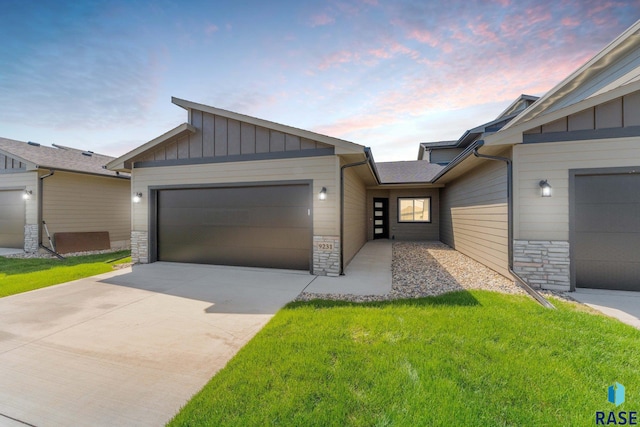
<point x="122" y="163"/>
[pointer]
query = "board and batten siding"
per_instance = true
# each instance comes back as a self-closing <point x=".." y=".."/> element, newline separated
<point x="323" y="170"/>
<point x="547" y="218"/>
<point x="355" y="214"/>
<point x="27" y="181"/>
<point x="474" y="215"/>
<point x="218" y="136"/>
<point x="75" y="202"/>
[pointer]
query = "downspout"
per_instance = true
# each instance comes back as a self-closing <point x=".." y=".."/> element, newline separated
<point x="40" y="205"/>
<point x="535" y="294"/>
<point x="367" y="152"/>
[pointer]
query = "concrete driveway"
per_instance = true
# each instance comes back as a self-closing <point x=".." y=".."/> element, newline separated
<point x="129" y="348"/>
<point x="623" y="305"/>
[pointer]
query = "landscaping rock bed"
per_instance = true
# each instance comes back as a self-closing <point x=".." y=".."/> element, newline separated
<point x="421" y="269"/>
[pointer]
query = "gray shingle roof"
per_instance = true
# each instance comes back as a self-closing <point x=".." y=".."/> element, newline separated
<point x="58" y="157"/>
<point x="413" y="171"/>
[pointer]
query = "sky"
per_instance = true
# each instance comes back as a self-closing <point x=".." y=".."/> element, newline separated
<point x="99" y="75"/>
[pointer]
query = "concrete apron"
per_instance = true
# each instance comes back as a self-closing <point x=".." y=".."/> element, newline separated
<point x="129" y="347"/>
<point x="623" y="305"/>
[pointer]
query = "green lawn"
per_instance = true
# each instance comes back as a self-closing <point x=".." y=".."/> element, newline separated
<point x="20" y="275"/>
<point x="463" y="359"/>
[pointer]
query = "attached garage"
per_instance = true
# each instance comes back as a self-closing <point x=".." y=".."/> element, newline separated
<point x="250" y="226"/>
<point x="607" y="231"/>
<point x="12" y="216"/>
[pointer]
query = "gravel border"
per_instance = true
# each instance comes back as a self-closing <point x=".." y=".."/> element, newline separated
<point x="421" y="269"/>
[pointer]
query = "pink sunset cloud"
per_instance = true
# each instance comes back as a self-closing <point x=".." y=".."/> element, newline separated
<point x="321" y="20"/>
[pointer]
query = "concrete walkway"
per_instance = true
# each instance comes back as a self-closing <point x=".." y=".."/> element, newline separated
<point x="623" y="305"/>
<point x="10" y="251"/>
<point x="369" y="273"/>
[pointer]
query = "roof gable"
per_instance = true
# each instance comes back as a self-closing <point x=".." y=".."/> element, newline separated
<point x="616" y="65"/>
<point x="216" y="135"/>
<point x="35" y="156"/>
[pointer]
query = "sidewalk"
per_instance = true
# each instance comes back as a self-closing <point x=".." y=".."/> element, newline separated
<point x="369" y="273"/>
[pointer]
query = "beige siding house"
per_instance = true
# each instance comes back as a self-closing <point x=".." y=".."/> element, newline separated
<point x="547" y="193"/>
<point x="68" y="189"/>
<point x="581" y="141"/>
<point x="226" y="188"/>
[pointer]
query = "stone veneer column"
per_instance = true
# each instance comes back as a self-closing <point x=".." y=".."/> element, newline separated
<point x="140" y="247"/>
<point x="543" y="263"/>
<point x="31" y="238"/>
<point x="326" y="255"/>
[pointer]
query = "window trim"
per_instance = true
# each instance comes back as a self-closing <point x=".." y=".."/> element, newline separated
<point x="399" y="221"/>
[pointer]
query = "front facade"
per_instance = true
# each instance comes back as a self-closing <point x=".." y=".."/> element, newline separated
<point x="225" y="188"/>
<point x="582" y="139"/>
<point x="69" y="191"/>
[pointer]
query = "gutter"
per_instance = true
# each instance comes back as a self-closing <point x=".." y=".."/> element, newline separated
<point x="40" y="204"/>
<point x="367" y="160"/>
<point x="523" y="284"/>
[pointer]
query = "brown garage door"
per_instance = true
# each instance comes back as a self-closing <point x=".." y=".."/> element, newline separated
<point x="11" y="219"/>
<point x="256" y="226"/>
<point x="607" y="231"/>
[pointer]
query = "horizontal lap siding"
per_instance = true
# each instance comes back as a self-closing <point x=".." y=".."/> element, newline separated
<point x="538" y="218"/>
<point x="322" y="170"/>
<point x="474" y="215"/>
<point x="355" y="214"/>
<point x="79" y="203"/>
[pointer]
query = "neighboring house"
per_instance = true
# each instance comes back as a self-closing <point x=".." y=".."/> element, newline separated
<point x="67" y="188"/>
<point x="226" y="188"/>
<point x="582" y="141"/>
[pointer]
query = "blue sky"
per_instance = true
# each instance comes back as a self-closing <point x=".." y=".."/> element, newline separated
<point x="99" y="75"/>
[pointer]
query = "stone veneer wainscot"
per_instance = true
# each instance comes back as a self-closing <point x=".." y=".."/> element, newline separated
<point x="326" y="255"/>
<point x="543" y="263"/>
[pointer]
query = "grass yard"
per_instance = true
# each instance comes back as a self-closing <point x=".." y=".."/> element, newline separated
<point x="20" y="275"/>
<point x="463" y="359"/>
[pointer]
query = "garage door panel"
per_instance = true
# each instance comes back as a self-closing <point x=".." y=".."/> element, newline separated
<point x="618" y="217"/>
<point x="12" y="217"/>
<point x="607" y="189"/>
<point x="207" y="237"/>
<point x="259" y="226"/>
<point x="606" y="242"/>
<point x="607" y="275"/>
<point x="595" y="246"/>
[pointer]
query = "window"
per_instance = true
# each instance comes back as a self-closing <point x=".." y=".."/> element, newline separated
<point x="414" y="209"/>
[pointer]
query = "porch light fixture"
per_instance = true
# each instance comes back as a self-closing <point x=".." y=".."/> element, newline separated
<point x="323" y="194"/>
<point x="545" y="188"/>
<point x="27" y="195"/>
<point x="137" y="197"/>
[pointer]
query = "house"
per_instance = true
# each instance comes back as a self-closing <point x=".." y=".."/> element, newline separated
<point x="70" y="190"/>
<point x="225" y="188"/>
<point x="561" y="209"/>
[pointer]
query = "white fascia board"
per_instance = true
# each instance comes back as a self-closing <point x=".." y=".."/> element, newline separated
<point x="514" y="135"/>
<point x="593" y="67"/>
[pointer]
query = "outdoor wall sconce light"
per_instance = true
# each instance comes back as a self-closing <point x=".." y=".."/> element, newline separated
<point x="137" y="197"/>
<point x="545" y="189"/>
<point x="323" y="193"/>
<point x="27" y="195"/>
